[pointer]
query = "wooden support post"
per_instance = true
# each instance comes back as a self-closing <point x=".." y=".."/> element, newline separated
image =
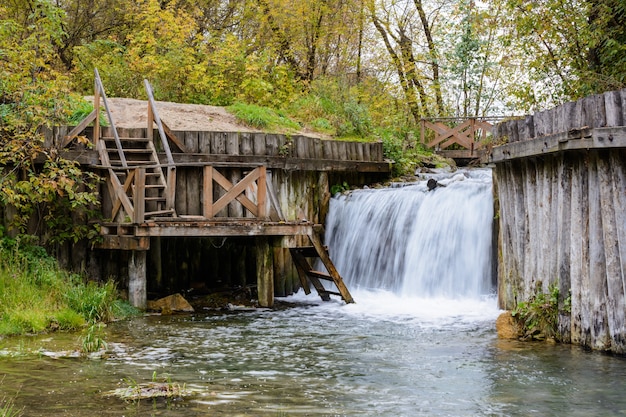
<point x="265" y="273"/>
<point x="139" y="197"/>
<point x="137" y="292"/>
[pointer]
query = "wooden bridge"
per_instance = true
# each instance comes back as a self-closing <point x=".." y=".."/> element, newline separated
<point x="234" y="199"/>
<point x="459" y="138"/>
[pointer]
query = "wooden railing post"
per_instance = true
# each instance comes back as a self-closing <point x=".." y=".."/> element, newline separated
<point x="207" y="192"/>
<point x="262" y="193"/>
<point x="139" y="195"/>
<point x="170" y="196"/>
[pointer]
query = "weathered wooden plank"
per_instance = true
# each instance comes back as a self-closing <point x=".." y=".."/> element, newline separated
<point x="593" y="111"/>
<point x="180" y="203"/>
<point x="597" y="262"/>
<point x="191" y="141"/>
<point x="577" y="239"/>
<point x="246" y="143"/>
<point x="615" y="296"/>
<point x="542" y="123"/>
<point x="193" y="184"/>
<point x="272" y="145"/>
<point x="327" y="149"/>
<point x="204" y="142"/>
<point x="232" y="143"/>
<point x="563" y="220"/>
<point x="301" y="147"/>
<point x="259" y="144"/>
<point x="613" y="108"/>
<point x="218" y="143"/>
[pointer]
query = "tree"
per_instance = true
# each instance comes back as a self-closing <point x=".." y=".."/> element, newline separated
<point x="33" y="95"/>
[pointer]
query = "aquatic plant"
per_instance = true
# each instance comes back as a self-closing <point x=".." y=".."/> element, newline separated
<point x="161" y="386"/>
<point x="7" y="405"/>
<point x="539" y="315"/>
<point x="93" y="341"/>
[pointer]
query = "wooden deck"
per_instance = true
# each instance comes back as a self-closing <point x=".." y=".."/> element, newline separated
<point x="137" y="236"/>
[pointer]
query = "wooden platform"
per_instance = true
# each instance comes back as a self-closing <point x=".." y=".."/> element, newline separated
<point x="137" y="236"/>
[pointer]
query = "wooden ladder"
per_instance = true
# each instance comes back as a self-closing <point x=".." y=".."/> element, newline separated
<point x="307" y="274"/>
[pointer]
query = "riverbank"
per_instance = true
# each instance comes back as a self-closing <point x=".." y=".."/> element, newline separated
<point x="36" y="295"/>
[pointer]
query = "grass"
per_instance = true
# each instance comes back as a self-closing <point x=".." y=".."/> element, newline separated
<point x="263" y="117"/>
<point x="36" y="295"/>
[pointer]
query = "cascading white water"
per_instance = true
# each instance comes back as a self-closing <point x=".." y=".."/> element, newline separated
<point x="416" y="242"/>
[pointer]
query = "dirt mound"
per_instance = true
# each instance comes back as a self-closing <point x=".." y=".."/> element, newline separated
<point x="131" y="113"/>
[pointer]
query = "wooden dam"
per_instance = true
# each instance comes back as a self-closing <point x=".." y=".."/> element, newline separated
<point x="561" y="189"/>
<point x="162" y="186"/>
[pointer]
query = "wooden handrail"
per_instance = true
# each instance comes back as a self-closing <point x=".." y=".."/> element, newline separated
<point x="100" y="90"/>
<point x="157" y="120"/>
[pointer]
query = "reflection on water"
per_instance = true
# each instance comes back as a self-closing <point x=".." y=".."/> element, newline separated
<point x="323" y="359"/>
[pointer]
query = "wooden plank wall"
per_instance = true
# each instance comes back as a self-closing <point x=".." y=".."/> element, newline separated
<point x="600" y="110"/>
<point x="562" y="222"/>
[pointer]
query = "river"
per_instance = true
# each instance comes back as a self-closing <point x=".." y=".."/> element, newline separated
<point x="414" y="344"/>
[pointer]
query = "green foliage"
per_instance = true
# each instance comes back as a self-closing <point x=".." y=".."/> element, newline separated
<point x="339" y="188"/>
<point x="34" y="94"/>
<point x="36" y="295"/>
<point x="263" y="117"/>
<point x="539" y="315"/>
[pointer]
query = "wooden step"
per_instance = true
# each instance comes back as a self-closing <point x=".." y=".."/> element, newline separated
<point x="158" y="212"/>
<point x="320" y="275"/>
<point x="137" y="151"/>
<point x="125" y="139"/>
<point x="308" y="251"/>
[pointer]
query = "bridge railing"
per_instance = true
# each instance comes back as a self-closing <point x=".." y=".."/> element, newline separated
<point x="468" y="133"/>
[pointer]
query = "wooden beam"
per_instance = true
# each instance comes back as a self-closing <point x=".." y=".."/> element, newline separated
<point x="584" y="139"/>
<point x="222" y="229"/>
<point x="123" y="243"/>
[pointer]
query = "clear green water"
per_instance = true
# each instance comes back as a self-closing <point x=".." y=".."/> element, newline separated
<point x="385" y="356"/>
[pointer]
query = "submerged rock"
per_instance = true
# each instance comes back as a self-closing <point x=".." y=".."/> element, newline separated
<point x="507" y="327"/>
<point x="171" y="304"/>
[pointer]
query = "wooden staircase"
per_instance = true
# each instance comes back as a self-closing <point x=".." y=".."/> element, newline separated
<point x="136" y="179"/>
<point x="122" y="161"/>
<point x="308" y="274"/>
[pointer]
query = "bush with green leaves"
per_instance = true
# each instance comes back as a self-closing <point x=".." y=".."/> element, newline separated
<point x="539" y="315"/>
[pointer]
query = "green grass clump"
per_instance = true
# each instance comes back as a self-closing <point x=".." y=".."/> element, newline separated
<point x="263" y="117"/>
<point x="36" y="295"/>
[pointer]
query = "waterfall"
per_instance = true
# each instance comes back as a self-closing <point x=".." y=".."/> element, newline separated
<point x="415" y="242"/>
